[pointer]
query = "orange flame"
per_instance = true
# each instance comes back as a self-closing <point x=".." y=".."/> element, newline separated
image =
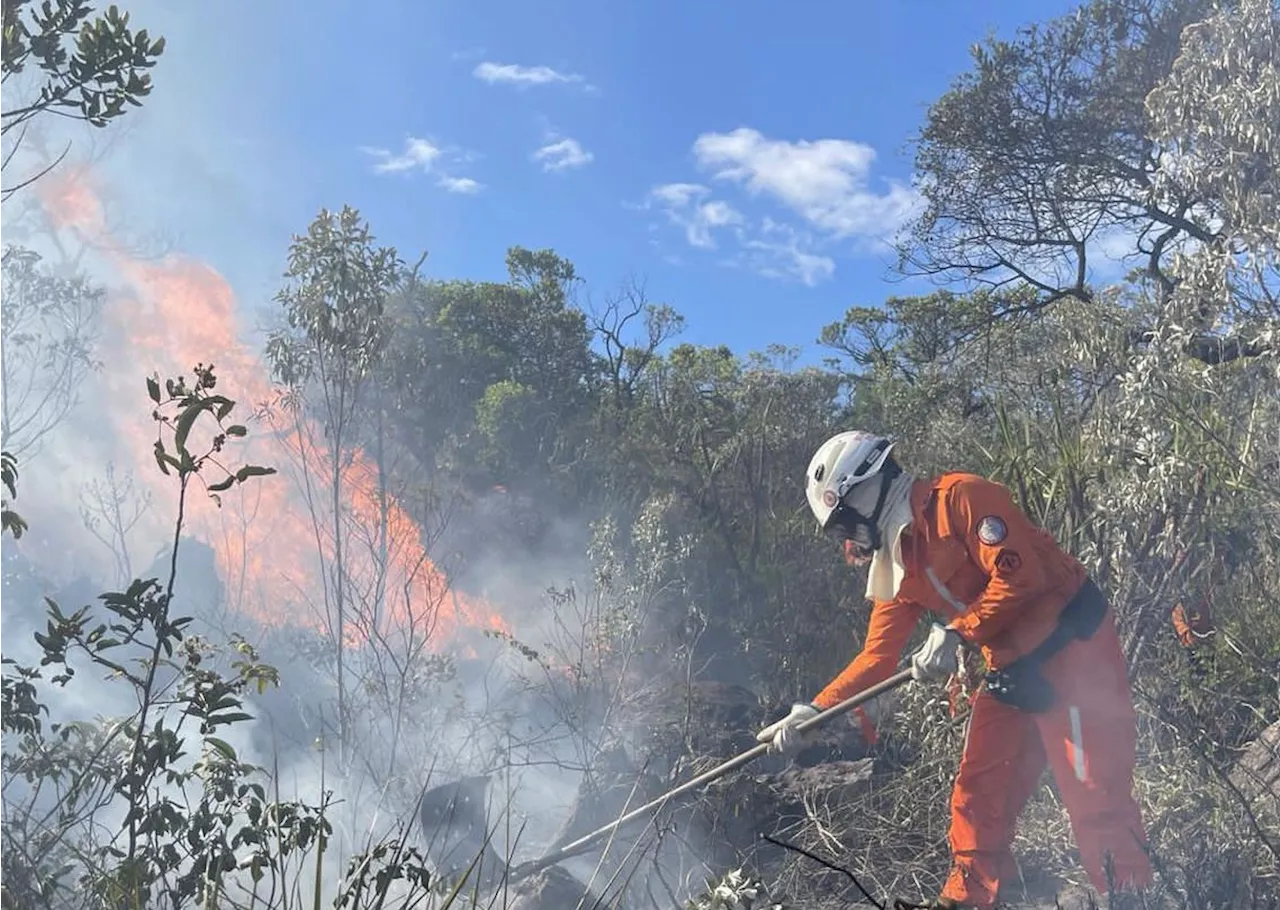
<point x="276" y="550"/>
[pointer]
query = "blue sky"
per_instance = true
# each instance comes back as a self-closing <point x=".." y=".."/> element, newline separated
<point x="744" y="160"/>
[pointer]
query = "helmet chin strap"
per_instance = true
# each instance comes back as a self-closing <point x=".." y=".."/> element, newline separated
<point x="846" y="518"/>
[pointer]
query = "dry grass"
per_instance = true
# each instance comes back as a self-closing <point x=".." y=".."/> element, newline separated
<point x="892" y="833"/>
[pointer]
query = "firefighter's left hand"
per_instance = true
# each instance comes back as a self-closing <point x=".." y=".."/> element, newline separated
<point x="936" y="659"/>
<point x="781" y="735"/>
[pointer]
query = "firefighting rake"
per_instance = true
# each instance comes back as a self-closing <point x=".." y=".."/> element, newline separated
<point x="574" y="848"/>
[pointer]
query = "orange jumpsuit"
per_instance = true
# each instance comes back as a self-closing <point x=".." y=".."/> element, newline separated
<point x="973" y="558"/>
<point x="1190" y="625"/>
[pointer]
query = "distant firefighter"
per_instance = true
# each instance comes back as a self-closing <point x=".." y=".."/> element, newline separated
<point x="1192" y="621"/>
<point x="1192" y="613"/>
<point x="454" y="819"/>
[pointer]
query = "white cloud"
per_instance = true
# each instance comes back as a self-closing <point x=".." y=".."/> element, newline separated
<point x="821" y="188"/>
<point x="824" y="181"/>
<point x="422" y="155"/>
<point x="521" y="76"/>
<point x="767" y="247"/>
<point x="418" y="153"/>
<point x="461" y="185"/>
<point x="562" y="155"/>
<point x="710" y="215"/>
<point x="678" y="194"/>
<point x="684" y="205"/>
<point x="778" y="252"/>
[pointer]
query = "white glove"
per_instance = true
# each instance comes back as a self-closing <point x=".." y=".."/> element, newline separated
<point x="936" y="659"/>
<point x="782" y="735"/>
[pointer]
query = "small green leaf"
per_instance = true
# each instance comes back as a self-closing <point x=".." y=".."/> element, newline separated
<point x="222" y="746"/>
<point x="185" y="422"/>
<point x="233" y="717"/>
<point x="253" y="470"/>
<point x="222" y="485"/>
<point x="160" y="457"/>
<point x="153" y="389"/>
<point x="14" y="523"/>
<point x="236" y="430"/>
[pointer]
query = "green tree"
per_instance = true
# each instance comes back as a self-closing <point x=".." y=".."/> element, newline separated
<point x="495" y="381"/>
<point x="1045" y="151"/>
<point x="713" y="446"/>
<point x="154" y="806"/>
<point x="1143" y="122"/>
<point x="338" y="282"/>
<point x="49" y="328"/>
<point x="161" y="846"/>
<point x="89" y="66"/>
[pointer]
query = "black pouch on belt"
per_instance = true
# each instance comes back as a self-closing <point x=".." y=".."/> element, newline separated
<point x="1022" y="683"/>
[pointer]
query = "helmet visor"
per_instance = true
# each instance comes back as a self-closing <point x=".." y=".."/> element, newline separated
<point x="855" y="532"/>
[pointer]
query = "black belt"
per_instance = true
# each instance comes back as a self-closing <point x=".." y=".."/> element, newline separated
<point x="1080" y="618"/>
<point x="1021" y="684"/>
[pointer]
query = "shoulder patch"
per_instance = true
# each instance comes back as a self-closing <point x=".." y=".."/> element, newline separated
<point x="992" y="530"/>
<point x="1008" y="562"/>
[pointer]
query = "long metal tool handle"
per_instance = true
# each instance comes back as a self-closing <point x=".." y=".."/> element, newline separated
<point x="581" y="844"/>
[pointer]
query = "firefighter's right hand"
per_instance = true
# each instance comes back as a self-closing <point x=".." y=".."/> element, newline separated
<point x="782" y="735"/>
<point x="937" y="658"/>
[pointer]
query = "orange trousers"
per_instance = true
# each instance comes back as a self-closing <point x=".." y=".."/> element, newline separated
<point x="1088" y="740"/>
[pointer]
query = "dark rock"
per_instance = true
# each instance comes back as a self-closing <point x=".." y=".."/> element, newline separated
<point x="748" y="806"/>
<point x="551" y="889"/>
<point x="692" y="729"/>
<point x="715" y="719"/>
<point x="1257" y="774"/>
<point x="705" y="718"/>
<point x="454" y="819"/>
<point x="711" y="719"/>
<point x="843" y="780"/>
<point x="612" y="787"/>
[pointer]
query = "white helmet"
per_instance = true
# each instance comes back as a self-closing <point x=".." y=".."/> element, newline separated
<point x="843" y="461"/>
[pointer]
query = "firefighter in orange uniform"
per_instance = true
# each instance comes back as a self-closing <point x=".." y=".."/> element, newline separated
<point x="1056" y="690"/>
<point x="1192" y="625"/>
<point x="1192" y="619"/>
